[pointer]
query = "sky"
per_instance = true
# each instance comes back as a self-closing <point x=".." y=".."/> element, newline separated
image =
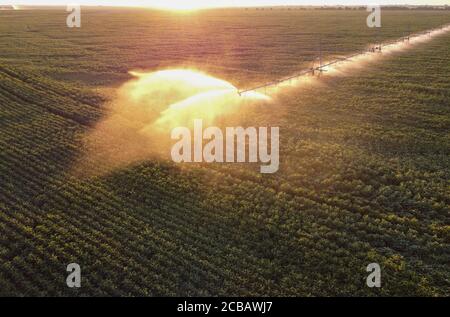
<point x="186" y="4"/>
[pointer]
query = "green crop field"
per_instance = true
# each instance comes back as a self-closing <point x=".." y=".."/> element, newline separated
<point x="364" y="159"/>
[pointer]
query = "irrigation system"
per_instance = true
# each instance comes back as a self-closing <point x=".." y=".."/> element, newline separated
<point x="377" y="48"/>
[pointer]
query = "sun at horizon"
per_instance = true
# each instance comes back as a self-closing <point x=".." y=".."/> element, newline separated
<point x="182" y="5"/>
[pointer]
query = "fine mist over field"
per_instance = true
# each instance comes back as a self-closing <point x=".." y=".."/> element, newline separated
<point x="146" y="109"/>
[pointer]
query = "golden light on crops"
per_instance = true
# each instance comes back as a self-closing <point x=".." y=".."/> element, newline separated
<point x="148" y="106"/>
<point x="176" y="97"/>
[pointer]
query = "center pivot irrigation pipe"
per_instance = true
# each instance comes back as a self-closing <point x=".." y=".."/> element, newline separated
<point x="322" y="67"/>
